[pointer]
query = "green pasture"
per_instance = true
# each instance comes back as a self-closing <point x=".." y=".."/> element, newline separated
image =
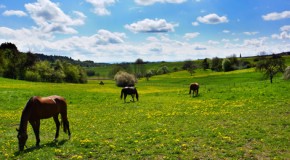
<point x="236" y="116"/>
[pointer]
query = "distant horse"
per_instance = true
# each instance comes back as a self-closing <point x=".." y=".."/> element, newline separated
<point x="131" y="91"/>
<point x="42" y="108"/>
<point x="194" y="87"/>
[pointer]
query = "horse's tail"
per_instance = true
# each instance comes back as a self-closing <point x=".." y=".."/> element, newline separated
<point x="137" y="96"/>
<point x="64" y="119"/>
<point x="122" y="92"/>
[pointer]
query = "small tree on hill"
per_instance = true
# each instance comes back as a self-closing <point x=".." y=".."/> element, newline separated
<point x="205" y="64"/>
<point x="227" y="65"/>
<point x="189" y="66"/>
<point x="271" y="66"/>
<point x="124" y="79"/>
<point x="216" y="64"/>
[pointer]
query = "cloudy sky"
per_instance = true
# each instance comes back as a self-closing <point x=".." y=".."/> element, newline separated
<point x="153" y="30"/>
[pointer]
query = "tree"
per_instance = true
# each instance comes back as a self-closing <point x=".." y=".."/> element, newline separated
<point x="205" y="64"/>
<point x="189" y="66"/>
<point x="216" y="64"/>
<point x="9" y="46"/>
<point x="227" y="65"/>
<point x="271" y="66"/>
<point x="163" y="70"/>
<point x="234" y="62"/>
<point x="148" y="75"/>
<point x="140" y="69"/>
<point x="120" y="67"/>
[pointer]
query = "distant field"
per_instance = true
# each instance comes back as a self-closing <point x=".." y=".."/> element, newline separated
<point x="236" y="116"/>
<point x="104" y="70"/>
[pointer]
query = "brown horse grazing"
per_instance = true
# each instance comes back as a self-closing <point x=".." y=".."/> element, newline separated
<point x="194" y="87"/>
<point x="41" y="108"/>
<point x="131" y="91"/>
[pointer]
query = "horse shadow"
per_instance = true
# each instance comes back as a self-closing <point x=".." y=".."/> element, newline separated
<point x="52" y="144"/>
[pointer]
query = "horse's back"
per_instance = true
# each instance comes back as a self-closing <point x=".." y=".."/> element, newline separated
<point x="129" y="90"/>
<point x="46" y="107"/>
<point x="194" y="86"/>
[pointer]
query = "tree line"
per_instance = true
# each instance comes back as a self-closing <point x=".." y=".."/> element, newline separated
<point x="270" y="65"/>
<point x="28" y="66"/>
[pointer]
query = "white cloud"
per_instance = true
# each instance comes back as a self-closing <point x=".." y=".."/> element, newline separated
<point x="200" y="48"/>
<point x="50" y="18"/>
<point x="107" y="37"/>
<point x="2" y="6"/>
<point x="211" y="42"/>
<point x="285" y="33"/>
<point x="191" y="35"/>
<point x="225" y="40"/>
<point x="195" y="23"/>
<point x="226" y="31"/>
<point x="254" y="42"/>
<point x="100" y="6"/>
<point x="212" y="19"/>
<point x="14" y="13"/>
<point x="285" y="28"/>
<point x="282" y="35"/>
<point x="250" y="33"/>
<point x="151" y="2"/>
<point x="151" y="26"/>
<point x="276" y="16"/>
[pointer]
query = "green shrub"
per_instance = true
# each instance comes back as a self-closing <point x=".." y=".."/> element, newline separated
<point x="226" y="64"/>
<point x="124" y="79"/>
<point x="32" y="76"/>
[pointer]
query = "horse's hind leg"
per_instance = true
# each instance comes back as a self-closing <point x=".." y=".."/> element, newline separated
<point x="36" y="125"/>
<point x="57" y="123"/>
<point x="132" y="95"/>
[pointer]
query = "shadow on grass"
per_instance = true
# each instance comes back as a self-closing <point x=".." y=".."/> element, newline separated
<point x="50" y="144"/>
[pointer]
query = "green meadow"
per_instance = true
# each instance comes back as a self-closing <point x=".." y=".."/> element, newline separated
<point x="237" y="115"/>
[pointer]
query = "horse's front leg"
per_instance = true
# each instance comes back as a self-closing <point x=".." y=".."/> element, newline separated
<point x="36" y="125"/>
<point x="125" y="98"/>
<point x="57" y="123"/>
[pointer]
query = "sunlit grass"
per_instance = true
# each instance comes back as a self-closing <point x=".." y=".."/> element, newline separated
<point x="236" y="116"/>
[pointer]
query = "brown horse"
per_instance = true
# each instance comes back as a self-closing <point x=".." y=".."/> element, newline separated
<point x="42" y="108"/>
<point x="131" y="91"/>
<point x="194" y="87"/>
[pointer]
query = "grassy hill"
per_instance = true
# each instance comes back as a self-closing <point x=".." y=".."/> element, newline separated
<point x="103" y="70"/>
<point x="236" y="116"/>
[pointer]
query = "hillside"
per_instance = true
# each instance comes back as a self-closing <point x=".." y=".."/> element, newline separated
<point x="102" y="71"/>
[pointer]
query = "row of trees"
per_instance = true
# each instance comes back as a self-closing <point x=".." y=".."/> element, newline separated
<point x="26" y="66"/>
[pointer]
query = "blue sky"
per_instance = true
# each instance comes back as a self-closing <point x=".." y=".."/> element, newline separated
<point x="153" y="30"/>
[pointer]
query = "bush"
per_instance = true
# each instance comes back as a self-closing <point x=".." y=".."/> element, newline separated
<point x="226" y="64"/>
<point x="287" y="73"/>
<point x="124" y="79"/>
<point x="32" y="76"/>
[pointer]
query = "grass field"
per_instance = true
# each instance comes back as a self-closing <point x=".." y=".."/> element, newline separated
<point x="236" y="116"/>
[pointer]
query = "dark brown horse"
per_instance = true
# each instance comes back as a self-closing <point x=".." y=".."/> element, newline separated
<point x="194" y="87"/>
<point x="131" y="91"/>
<point x="42" y="108"/>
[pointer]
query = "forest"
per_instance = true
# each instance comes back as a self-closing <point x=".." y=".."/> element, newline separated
<point x="33" y="67"/>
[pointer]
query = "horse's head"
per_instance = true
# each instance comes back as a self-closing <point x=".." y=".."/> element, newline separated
<point x="22" y="138"/>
